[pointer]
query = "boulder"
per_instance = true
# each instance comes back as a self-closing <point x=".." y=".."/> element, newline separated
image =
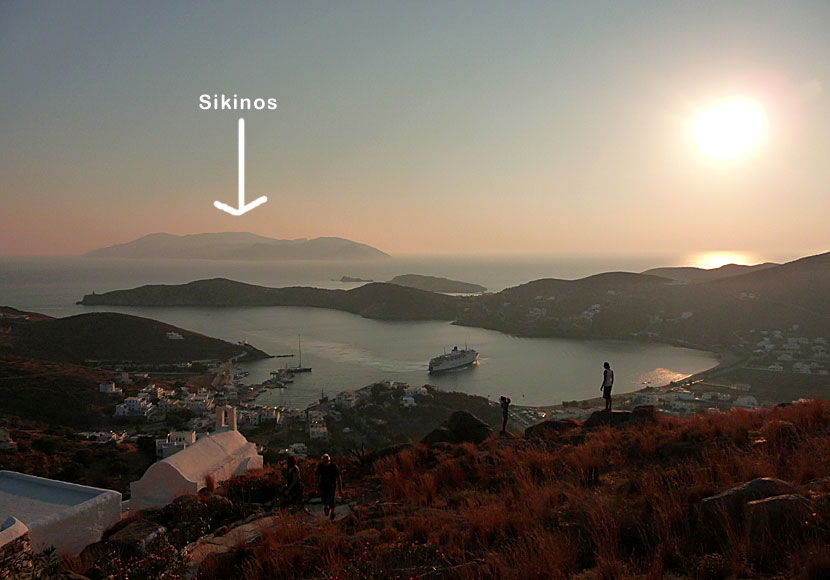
<point x="439" y="435"/>
<point x="727" y="511"/>
<point x="610" y="418"/>
<point x="462" y="426"/>
<point x="467" y="427"/>
<point x="640" y="414"/>
<point x="645" y="414"/>
<point x="784" y="516"/>
<point x="135" y="537"/>
<point x="546" y="429"/>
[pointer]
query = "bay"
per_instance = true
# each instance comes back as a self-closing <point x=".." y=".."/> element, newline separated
<point x="346" y="351"/>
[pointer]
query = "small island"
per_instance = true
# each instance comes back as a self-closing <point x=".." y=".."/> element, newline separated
<point x="349" y="279"/>
<point x="436" y="284"/>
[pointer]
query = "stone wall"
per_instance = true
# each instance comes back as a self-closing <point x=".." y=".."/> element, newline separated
<point x="15" y="549"/>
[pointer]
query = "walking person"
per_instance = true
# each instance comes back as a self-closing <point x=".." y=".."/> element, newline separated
<point x="293" y="487"/>
<point x="505" y="404"/>
<point x="328" y="481"/>
<point x="607" y="385"/>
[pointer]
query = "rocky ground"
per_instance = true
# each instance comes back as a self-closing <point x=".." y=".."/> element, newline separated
<point x="743" y="494"/>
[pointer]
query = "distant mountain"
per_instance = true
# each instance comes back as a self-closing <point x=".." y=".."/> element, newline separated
<point x="435" y="284"/>
<point x="690" y="274"/>
<point x="238" y="246"/>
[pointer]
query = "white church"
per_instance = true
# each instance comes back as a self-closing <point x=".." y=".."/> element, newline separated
<point x="221" y="455"/>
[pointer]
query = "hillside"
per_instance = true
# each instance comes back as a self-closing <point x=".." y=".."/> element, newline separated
<point x="436" y="284"/>
<point x="625" y="305"/>
<point x="51" y="392"/>
<point x="238" y="246"/>
<point x="726" y="495"/>
<point x="107" y="336"/>
<point x="374" y="300"/>
<point x="690" y="274"/>
<point x="617" y="305"/>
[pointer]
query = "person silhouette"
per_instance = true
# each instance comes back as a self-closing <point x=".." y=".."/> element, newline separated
<point x="505" y="403"/>
<point x="329" y="481"/>
<point x="607" y="385"/>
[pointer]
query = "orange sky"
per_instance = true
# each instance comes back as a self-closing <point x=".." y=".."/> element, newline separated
<point x="416" y="129"/>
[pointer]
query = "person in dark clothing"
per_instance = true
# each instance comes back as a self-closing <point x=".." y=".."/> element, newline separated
<point x="505" y="404"/>
<point x="607" y="384"/>
<point x="328" y="478"/>
<point x="292" y="488"/>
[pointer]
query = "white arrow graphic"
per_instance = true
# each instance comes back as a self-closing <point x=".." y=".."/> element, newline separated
<point x="243" y="207"/>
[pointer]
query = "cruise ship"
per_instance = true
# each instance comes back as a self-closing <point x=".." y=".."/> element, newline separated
<point x="453" y="360"/>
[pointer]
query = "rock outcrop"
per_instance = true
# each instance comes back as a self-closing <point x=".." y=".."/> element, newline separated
<point x="549" y="428"/>
<point x="641" y="414"/>
<point x="462" y="426"/>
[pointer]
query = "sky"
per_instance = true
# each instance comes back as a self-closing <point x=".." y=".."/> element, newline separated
<point x="416" y="127"/>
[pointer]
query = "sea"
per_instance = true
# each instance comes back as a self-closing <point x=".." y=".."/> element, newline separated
<point x="346" y="351"/>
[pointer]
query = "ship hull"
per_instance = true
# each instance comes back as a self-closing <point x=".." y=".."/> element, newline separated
<point x="437" y="365"/>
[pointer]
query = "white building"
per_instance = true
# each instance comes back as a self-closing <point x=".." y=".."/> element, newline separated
<point x="174" y="442"/>
<point x="201" y="402"/>
<point x="264" y="414"/>
<point x="174" y="336"/>
<point x="407" y="401"/>
<point x="714" y="396"/>
<point x="152" y="392"/>
<point x="133" y="407"/>
<point x="413" y="391"/>
<point x="644" y="399"/>
<point x="109" y="388"/>
<point x="318" y="431"/>
<point x="219" y="456"/>
<point x="6" y="442"/>
<point x="776" y="368"/>
<point x="297" y="450"/>
<point x="55" y="513"/>
<point x="746" y="401"/>
<point x="345" y="400"/>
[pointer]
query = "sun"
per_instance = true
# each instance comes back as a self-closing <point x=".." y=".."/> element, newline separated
<point x="711" y="260"/>
<point x="729" y="129"/>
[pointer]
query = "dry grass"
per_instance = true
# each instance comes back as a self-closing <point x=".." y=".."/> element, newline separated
<point x="620" y="503"/>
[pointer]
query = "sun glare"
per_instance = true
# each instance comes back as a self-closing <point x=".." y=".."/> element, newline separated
<point x="709" y="260"/>
<point x="729" y="129"/>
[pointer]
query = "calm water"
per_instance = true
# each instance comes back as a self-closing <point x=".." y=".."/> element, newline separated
<point x="347" y="351"/>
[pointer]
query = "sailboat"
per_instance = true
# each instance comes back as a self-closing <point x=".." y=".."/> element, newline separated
<point x="299" y="368"/>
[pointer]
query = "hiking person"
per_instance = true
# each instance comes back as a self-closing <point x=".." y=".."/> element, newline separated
<point x="328" y="481"/>
<point x="292" y="489"/>
<point x="505" y="403"/>
<point x="607" y="385"/>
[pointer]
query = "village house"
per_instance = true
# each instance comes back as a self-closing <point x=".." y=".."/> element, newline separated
<point x="174" y="442"/>
<point x="407" y="401"/>
<point x="747" y="401"/>
<point x="134" y="407"/>
<point x="415" y="391"/>
<point x="6" y="442"/>
<point x="109" y="388"/>
<point x="345" y="400"/>
<point x="644" y="399"/>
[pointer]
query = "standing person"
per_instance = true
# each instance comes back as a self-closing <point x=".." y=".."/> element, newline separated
<point x="607" y="384"/>
<point x="293" y="487"/>
<point x="505" y="403"/>
<point x="328" y="478"/>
